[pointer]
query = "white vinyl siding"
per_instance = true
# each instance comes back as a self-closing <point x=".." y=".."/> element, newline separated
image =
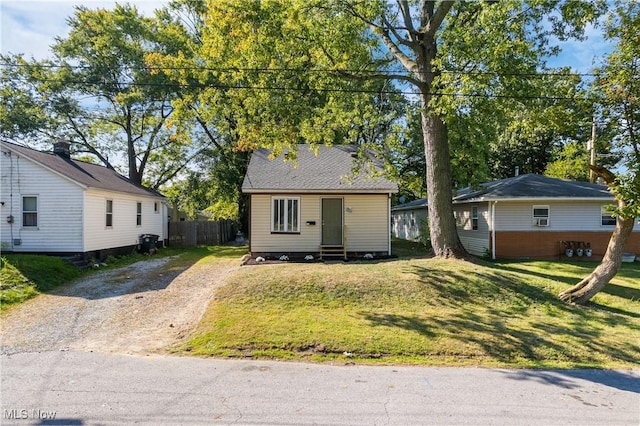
<point x="468" y="216"/>
<point x="563" y="216"/>
<point x="409" y="224"/>
<point x="367" y="224"/>
<point x="59" y="208"/>
<point x="124" y="231"/>
<point x="307" y="240"/>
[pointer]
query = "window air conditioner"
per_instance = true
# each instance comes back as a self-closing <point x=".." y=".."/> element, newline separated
<point x="542" y="221"/>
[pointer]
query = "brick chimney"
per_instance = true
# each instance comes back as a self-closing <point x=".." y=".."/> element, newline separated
<point x="62" y="148"/>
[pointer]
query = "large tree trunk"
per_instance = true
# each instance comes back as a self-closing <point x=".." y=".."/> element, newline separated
<point x="608" y="268"/>
<point x="442" y="227"/>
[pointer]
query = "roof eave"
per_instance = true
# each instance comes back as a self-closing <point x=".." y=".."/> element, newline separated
<point x="487" y="199"/>
<point x="44" y="166"/>
<point x="319" y="191"/>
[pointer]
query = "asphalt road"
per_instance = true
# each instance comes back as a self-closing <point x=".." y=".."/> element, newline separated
<point x="81" y="388"/>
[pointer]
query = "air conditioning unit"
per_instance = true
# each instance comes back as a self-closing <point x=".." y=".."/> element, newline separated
<point x="542" y="221"/>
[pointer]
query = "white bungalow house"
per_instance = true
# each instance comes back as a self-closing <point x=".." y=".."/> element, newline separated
<point x="51" y="203"/>
<point x="316" y="206"/>
<point x="536" y="217"/>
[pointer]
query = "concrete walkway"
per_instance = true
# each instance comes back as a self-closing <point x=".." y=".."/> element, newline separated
<point x="81" y="388"/>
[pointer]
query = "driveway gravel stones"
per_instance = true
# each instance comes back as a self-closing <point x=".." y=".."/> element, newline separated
<point x="139" y="309"/>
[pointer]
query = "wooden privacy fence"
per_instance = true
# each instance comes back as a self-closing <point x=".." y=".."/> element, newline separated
<point x="201" y="233"/>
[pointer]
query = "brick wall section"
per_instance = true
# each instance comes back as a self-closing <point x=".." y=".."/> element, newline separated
<point x="546" y="245"/>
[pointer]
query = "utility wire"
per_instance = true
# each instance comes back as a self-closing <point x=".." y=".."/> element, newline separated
<point x="300" y="89"/>
<point x="303" y="70"/>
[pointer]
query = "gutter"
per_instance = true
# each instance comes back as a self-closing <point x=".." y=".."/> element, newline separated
<point x="537" y="199"/>
<point x="320" y="191"/>
<point x="389" y="224"/>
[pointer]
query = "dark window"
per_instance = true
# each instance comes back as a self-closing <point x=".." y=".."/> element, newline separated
<point x="139" y="214"/>
<point x="474" y="218"/>
<point x="606" y="217"/>
<point x="30" y="211"/>
<point x="109" y="215"/>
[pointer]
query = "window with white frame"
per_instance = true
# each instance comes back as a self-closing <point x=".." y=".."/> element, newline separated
<point x="474" y="218"/>
<point x="138" y="214"/>
<point x="109" y="213"/>
<point x="156" y="207"/>
<point x="30" y="211"/>
<point x="285" y="214"/>
<point x="606" y="218"/>
<point x="541" y="215"/>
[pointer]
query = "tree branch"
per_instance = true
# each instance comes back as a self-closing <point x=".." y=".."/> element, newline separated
<point x="406" y="61"/>
<point x="403" y="5"/>
<point x="434" y="22"/>
<point x="606" y="175"/>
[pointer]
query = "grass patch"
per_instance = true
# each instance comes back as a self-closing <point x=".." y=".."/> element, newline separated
<point x="22" y="276"/>
<point x="405" y="248"/>
<point x="423" y="311"/>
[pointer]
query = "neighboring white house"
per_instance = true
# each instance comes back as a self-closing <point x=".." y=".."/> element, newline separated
<point x="316" y="206"/>
<point x="536" y="217"/>
<point x="53" y="204"/>
<point x="409" y="220"/>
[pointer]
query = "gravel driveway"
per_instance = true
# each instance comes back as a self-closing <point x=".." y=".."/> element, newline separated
<point x="138" y="309"/>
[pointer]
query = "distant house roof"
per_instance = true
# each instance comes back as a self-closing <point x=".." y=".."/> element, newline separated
<point x="523" y="187"/>
<point x="85" y="174"/>
<point x="415" y="204"/>
<point x="330" y="171"/>
<point x="531" y="186"/>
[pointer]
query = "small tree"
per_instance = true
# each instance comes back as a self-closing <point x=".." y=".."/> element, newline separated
<point x="618" y="88"/>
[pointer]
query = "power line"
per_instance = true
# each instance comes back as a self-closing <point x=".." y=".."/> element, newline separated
<point x="304" y="70"/>
<point x="303" y="89"/>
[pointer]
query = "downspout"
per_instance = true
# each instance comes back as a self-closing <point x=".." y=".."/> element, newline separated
<point x="493" y="230"/>
<point x="389" y="223"/>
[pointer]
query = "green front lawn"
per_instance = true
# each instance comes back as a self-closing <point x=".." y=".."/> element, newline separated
<point x="423" y="311"/>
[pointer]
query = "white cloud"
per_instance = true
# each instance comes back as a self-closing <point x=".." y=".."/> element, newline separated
<point x="30" y="27"/>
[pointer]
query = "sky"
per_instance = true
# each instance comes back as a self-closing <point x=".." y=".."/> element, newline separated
<point x="29" y="27"/>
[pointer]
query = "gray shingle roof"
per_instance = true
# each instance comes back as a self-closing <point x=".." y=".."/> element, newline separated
<point x="330" y="171"/>
<point x="86" y="174"/>
<point x="533" y="186"/>
<point x="415" y="204"/>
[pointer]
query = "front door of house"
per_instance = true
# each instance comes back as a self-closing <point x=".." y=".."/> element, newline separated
<point x="332" y="221"/>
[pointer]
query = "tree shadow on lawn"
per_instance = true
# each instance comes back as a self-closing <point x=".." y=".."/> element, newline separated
<point x="485" y="313"/>
<point x="611" y="289"/>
